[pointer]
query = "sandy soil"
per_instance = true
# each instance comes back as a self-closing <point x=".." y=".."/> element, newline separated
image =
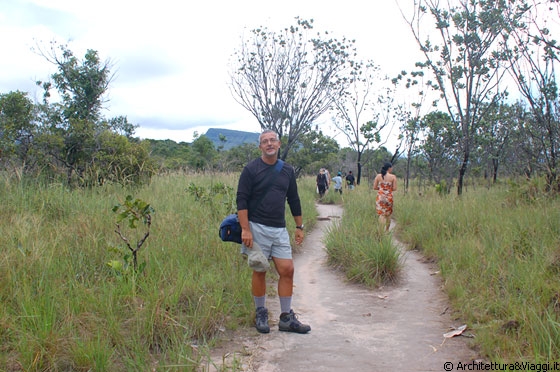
<point x="393" y="328"/>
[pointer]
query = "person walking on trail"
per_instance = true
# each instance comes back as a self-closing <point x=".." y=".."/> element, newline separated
<point x="385" y="183"/>
<point x="338" y="183"/>
<point x="328" y="175"/>
<point x="322" y="182"/>
<point x="350" y="181"/>
<point x="261" y="205"/>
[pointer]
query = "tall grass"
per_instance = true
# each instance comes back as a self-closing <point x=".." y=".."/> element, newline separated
<point x="63" y="308"/>
<point x="500" y="259"/>
<point x="357" y="244"/>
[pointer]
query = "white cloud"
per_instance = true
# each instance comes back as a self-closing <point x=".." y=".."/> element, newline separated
<point x="171" y="58"/>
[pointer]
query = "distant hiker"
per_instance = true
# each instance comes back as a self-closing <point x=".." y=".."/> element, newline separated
<point x="338" y="183"/>
<point x="322" y="182"/>
<point x="385" y="183"/>
<point x="350" y="180"/>
<point x="328" y="175"/>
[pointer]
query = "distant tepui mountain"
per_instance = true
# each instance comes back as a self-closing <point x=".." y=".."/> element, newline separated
<point x="233" y="138"/>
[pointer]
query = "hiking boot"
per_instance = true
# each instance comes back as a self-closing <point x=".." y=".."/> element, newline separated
<point x="261" y="320"/>
<point x="290" y="323"/>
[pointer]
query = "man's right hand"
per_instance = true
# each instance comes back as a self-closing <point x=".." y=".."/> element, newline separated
<point x="247" y="238"/>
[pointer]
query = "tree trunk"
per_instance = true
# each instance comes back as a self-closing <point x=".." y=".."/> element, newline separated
<point x="407" y="172"/>
<point x="462" y="172"/>
<point x="495" y="170"/>
<point x="359" y="175"/>
<point x="69" y="175"/>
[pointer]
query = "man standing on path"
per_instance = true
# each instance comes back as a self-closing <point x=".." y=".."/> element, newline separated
<point x="265" y="225"/>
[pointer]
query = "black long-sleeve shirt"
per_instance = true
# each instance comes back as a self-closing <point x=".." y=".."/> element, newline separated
<point x="253" y="183"/>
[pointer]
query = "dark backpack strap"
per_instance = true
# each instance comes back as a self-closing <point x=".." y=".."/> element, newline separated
<point x="279" y="165"/>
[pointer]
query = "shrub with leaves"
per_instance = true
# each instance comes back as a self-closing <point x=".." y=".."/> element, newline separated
<point x="133" y="211"/>
<point x="219" y="196"/>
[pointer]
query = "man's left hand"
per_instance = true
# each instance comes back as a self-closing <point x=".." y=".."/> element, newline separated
<point x="299" y="236"/>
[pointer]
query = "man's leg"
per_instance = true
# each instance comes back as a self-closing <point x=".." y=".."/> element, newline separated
<point x="258" y="283"/>
<point x="285" y="268"/>
<point x="258" y="289"/>
<point x="288" y="321"/>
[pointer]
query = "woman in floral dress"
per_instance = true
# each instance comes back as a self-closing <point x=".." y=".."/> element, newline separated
<point x="385" y="183"/>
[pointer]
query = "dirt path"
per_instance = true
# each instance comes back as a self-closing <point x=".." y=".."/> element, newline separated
<point x="394" y="328"/>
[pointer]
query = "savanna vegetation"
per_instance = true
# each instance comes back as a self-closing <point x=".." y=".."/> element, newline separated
<point x="71" y="298"/>
<point x="109" y="252"/>
<point x="498" y="250"/>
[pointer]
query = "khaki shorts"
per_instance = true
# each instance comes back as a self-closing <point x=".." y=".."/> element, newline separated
<point x="274" y="241"/>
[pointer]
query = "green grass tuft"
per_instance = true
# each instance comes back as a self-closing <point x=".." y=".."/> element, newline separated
<point x="358" y="246"/>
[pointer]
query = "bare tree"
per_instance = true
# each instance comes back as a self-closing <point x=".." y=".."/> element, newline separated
<point x="364" y="110"/>
<point x="288" y="81"/>
<point x="533" y="54"/>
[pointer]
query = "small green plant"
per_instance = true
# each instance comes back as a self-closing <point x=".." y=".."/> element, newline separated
<point x="134" y="212"/>
<point x="442" y="188"/>
<point x="218" y="196"/>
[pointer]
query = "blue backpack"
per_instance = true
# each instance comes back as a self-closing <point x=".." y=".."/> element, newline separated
<point x="230" y="229"/>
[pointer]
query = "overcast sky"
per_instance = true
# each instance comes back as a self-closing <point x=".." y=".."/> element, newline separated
<point x="171" y="58"/>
